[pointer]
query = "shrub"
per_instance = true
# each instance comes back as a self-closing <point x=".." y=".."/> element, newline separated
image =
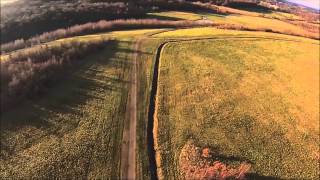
<point x="196" y="165"/>
<point x="26" y="19"/>
<point x="96" y="27"/>
<point x="30" y="72"/>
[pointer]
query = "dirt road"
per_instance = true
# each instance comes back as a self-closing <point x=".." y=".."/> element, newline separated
<point x="128" y="150"/>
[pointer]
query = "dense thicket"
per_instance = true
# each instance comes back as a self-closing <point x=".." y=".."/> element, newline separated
<point x="100" y="26"/>
<point x="24" y="19"/>
<point x="27" y="18"/>
<point x="28" y="73"/>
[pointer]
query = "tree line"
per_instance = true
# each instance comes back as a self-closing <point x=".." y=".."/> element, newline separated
<point x="96" y="27"/>
<point x="28" y="73"/>
<point x="26" y="18"/>
<point x="23" y="20"/>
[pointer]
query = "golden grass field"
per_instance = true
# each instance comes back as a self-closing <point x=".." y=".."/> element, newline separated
<point x="75" y="130"/>
<point x="243" y="96"/>
<point x="251" y="100"/>
<point x="78" y="122"/>
<point x="275" y="21"/>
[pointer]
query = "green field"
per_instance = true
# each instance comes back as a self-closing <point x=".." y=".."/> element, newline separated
<point x="251" y="100"/>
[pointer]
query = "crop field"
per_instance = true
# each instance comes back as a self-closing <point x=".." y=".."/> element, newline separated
<point x="82" y="116"/>
<point x="251" y="100"/>
<point x="234" y="93"/>
<point x="74" y="130"/>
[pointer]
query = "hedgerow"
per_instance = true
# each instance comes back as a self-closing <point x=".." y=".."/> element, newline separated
<point x="29" y="73"/>
<point x="96" y="27"/>
<point x="24" y="19"/>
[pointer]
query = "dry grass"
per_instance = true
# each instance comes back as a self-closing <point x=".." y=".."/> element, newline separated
<point x="178" y="15"/>
<point x="193" y="165"/>
<point x="252" y="100"/>
<point x="243" y="101"/>
<point x="311" y="27"/>
<point x="157" y="146"/>
<point x="254" y="22"/>
<point x="73" y="131"/>
<point x="282" y="16"/>
<point x="222" y="31"/>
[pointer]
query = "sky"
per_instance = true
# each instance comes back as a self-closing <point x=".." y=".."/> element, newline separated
<point x="309" y="3"/>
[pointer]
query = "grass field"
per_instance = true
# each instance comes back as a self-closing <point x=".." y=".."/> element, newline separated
<point x="273" y="21"/>
<point x="145" y="69"/>
<point x="274" y="17"/>
<point x="177" y="15"/>
<point x="249" y="100"/>
<point x="74" y="131"/>
<point x="246" y="96"/>
<point x="221" y="33"/>
<point x="282" y="16"/>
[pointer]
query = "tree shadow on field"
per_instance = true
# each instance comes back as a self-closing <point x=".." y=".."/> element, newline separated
<point x="154" y="16"/>
<point x="256" y="176"/>
<point x="251" y="7"/>
<point x="216" y="155"/>
<point x="89" y="80"/>
<point x="238" y="160"/>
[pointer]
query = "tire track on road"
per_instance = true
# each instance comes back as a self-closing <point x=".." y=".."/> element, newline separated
<point x="128" y="149"/>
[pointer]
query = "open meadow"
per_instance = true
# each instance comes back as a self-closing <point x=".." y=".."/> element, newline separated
<point x="278" y="22"/>
<point x="189" y="90"/>
<point x="74" y="130"/>
<point x="248" y="99"/>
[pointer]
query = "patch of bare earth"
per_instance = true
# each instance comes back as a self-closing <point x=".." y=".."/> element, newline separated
<point x="196" y="163"/>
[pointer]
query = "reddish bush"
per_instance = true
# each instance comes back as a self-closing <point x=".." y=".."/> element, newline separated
<point x="220" y="171"/>
<point x="197" y="164"/>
